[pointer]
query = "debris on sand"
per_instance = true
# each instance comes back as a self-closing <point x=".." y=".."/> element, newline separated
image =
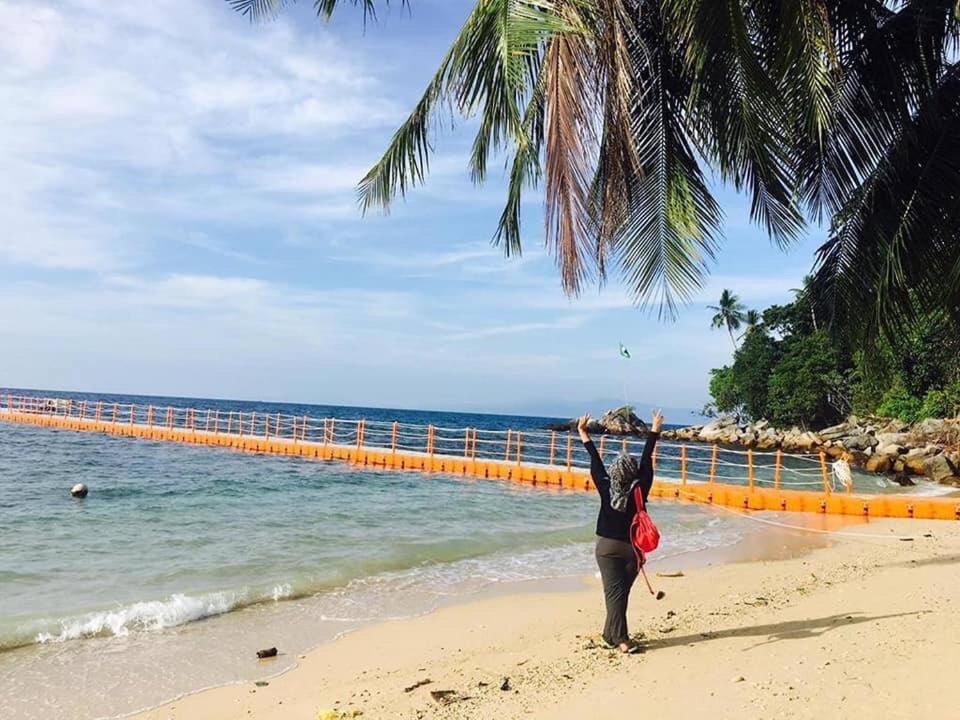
<point x="419" y="683"/>
<point x="446" y="697"/>
<point x="268" y="653"/>
<point x="674" y="574"/>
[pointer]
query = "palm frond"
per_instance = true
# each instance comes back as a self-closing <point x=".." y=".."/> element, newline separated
<point x="491" y="66"/>
<point x="569" y="141"/>
<point x="736" y="109"/>
<point x="525" y="170"/>
<point x="897" y="240"/>
<point x="672" y="222"/>
<point x="257" y="10"/>
<point x="260" y="10"/>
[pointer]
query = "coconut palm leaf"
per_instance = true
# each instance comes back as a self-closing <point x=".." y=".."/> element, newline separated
<point x="672" y="220"/>
<point x="491" y="66"/>
<point x="258" y="10"/>
<point x="569" y="146"/>
<point x="895" y="249"/>
<point x="736" y="109"/>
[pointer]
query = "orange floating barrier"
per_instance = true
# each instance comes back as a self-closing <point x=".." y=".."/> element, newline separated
<point x="529" y="457"/>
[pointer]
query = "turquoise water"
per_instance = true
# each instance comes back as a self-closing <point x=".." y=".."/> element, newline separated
<point x="172" y="533"/>
<point x="183" y="557"/>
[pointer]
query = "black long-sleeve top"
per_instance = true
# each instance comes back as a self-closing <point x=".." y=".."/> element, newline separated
<point x="612" y="523"/>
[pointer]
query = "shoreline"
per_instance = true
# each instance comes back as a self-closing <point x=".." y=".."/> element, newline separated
<point x="758" y="544"/>
<point x="217" y="650"/>
<point x="489" y="633"/>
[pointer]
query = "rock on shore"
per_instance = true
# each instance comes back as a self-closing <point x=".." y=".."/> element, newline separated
<point x="621" y="421"/>
<point x="880" y="445"/>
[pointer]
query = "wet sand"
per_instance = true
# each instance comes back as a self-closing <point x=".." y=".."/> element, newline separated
<point x="863" y="623"/>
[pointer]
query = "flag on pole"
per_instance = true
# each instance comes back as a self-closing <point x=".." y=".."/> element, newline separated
<point x="624" y="353"/>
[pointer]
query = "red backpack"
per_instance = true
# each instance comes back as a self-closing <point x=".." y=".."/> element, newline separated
<point x="644" y="535"/>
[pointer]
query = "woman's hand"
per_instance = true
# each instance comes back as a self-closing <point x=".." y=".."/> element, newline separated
<point x="657" y="421"/>
<point x="582" y="422"/>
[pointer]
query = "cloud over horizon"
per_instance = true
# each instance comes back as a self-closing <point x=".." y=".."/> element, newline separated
<point x="180" y="216"/>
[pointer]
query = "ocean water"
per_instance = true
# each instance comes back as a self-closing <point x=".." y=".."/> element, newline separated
<point x="184" y="559"/>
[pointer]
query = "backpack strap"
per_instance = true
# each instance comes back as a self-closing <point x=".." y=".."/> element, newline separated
<point x="638" y="499"/>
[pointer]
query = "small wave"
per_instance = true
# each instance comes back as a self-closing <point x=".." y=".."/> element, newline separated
<point x="930" y="489"/>
<point x="153" y="615"/>
<point x="281" y="592"/>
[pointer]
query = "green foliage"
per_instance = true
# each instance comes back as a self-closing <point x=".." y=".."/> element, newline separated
<point x="897" y="402"/>
<point x="724" y="391"/>
<point x="807" y="386"/>
<point x="752" y="366"/>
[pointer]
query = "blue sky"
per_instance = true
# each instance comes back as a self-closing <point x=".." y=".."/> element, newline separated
<point x="179" y="217"/>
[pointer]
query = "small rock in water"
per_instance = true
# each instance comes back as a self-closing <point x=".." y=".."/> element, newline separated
<point x="268" y="653"/>
<point x="79" y="490"/>
<point x="261" y="683"/>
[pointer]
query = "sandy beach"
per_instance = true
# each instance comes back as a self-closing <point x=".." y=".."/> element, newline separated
<point x="862" y="625"/>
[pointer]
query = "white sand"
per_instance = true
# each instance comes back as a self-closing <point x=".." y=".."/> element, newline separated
<point x="865" y="628"/>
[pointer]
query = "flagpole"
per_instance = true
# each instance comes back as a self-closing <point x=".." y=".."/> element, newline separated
<point x="625" y="354"/>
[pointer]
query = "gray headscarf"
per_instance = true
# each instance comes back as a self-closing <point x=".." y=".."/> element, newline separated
<point x="624" y="475"/>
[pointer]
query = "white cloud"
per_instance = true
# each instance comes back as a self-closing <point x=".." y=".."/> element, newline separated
<point x="524" y="328"/>
<point x="115" y="115"/>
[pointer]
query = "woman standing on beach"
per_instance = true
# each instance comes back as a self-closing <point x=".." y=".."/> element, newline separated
<point x="615" y="555"/>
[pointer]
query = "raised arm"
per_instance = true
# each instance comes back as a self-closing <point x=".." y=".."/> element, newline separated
<point x="598" y="473"/>
<point x="655" y="426"/>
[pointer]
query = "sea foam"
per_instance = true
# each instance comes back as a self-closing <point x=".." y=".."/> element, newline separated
<point x="178" y="609"/>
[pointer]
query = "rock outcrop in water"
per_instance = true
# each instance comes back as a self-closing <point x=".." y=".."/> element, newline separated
<point x="879" y="445"/>
<point x="621" y="421"/>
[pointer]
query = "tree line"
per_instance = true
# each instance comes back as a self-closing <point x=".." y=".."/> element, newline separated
<point x="792" y="369"/>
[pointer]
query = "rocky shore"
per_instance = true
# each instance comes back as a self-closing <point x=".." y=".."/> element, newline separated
<point x="880" y="445"/>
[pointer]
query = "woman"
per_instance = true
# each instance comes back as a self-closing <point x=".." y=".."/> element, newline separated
<point x="615" y="554"/>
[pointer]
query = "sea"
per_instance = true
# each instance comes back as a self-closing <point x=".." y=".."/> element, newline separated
<point x="184" y="559"/>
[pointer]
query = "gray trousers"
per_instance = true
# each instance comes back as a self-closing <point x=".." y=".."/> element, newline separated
<point x="618" y="570"/>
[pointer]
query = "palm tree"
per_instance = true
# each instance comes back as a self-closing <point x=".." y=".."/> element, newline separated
<point x="730" y="313"/>
<point x="751" y="319"/>
<point x="821" y="108"/>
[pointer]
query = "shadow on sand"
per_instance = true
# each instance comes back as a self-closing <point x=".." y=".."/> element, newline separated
<point x="775" y="632"/>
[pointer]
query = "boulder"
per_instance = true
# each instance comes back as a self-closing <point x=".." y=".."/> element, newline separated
<point x="623" y="421"/>
<point x="890" y="449"/>
<point x="878" y="463"/>
<point x="939" y="469"/>
<point x="834" y="451"/>
<point x="859" y="442"/>
<point x="932" y="426"/>
<point x="719" y="429"/>
<point x="903" y="480"/>
<point x="893" y="438"/>
<point x="836" y="432"/>
<point x="895" y="426"/>
<point x="915" y="465"/>
<point x="807" y="441"/>
<point x="915" y="458"/>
